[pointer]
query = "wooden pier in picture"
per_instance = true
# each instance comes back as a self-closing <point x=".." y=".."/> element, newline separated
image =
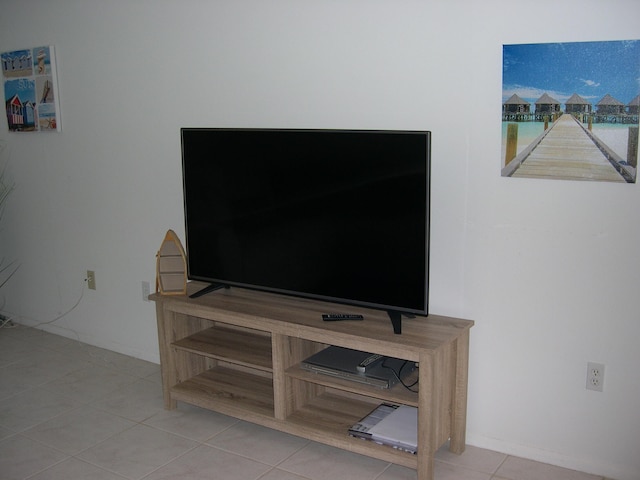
<point x="567" y="150"/>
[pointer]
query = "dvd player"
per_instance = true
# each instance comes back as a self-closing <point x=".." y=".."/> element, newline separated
<point x="348" y="364"/>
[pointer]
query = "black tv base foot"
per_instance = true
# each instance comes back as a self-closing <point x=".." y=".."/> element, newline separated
<point x="396" y="321"/>
<point x="208" y="289"/>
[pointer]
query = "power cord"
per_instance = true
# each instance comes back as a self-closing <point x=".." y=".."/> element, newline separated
<point x="94" y="354"/>
<point x="398" y="376"/>
<point x="8" y="323"/>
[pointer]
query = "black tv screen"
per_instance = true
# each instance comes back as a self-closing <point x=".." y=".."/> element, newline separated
<point x="337" y="215"/>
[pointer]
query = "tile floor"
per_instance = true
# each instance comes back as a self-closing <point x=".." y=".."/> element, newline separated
<point x="73" y="411"/>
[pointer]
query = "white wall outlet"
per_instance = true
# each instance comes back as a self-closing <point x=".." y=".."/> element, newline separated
<point x="91" y="279"/>
<point x="146" y="291"/>
<point x="595" y="376"/>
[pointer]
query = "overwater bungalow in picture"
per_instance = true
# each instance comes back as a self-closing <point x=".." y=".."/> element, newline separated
<point x="547" y="105"/>
<point x="609" y="106"/>
<point x="515" y="104"/>
<point x="516" y="109"/>
<point x="633" y="107"/>
<point x="576" y="104"/>
<point x="612" y="110"/>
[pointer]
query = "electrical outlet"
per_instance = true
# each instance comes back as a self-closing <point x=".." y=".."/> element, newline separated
<point x="91" y="279"/>
<point x="595" y="376"/>
<point x="146" y="291"/>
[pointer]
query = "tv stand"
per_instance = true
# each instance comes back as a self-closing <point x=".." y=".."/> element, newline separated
<point x="238" y="352"/>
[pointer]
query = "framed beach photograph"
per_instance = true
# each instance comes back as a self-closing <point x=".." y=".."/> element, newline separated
<point x="570" y="110"/>
<point x="31" y="90"/>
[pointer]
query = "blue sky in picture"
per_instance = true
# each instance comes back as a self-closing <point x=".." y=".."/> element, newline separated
<point x="590" y="69"/>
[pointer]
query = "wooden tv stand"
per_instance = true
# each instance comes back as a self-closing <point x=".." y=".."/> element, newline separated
<point x="238" y="351"/>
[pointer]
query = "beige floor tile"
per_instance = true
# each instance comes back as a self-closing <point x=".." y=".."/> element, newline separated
<point x="277" y="474"/>
<point x="207" y="462"/>
<point x="74" y="469"/>
<point x="40" y="367"/>
<point x="21" y="457"/>
<point x="137" y="451"/>
<point x="480" y="459"/>
<point x="90" y="384"/>
<point x="320" y="462"/>
<point x="79" y="429"/>
<point x="33" y="406"/>
<point x="258" y="443"/>
<point x="135" y="401"/>
<point x="515" y="468"/>
<point x="191" y="422"/>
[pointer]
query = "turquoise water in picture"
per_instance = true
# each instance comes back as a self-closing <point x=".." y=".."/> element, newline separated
<point x="615" y="136"/>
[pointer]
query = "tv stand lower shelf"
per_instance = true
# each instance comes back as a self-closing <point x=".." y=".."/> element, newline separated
<point x="237" y="352"/>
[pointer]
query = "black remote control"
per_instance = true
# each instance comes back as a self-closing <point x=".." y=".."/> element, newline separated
<point x="336" y="317"/>
<point x="370" y="360"/>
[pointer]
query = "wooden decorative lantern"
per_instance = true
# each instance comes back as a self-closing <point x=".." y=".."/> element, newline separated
<point x="171" y="266"/>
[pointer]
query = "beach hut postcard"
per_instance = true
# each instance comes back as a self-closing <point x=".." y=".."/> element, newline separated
<point x="31" y="90"/>
<point x="570" y="110"/>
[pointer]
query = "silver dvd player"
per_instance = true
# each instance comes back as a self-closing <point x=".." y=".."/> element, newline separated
<point x="344" y="362"/>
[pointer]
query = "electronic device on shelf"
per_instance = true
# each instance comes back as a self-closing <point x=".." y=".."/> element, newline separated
<point x="388" y="424"/>
<point x="358" y="366"/>
<point x="335" y="215"/>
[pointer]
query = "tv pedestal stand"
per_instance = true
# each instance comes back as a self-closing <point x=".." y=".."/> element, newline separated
<point x="238" y="352"/>
<point x="208" y="289"/>
<point x="396" y="321"/>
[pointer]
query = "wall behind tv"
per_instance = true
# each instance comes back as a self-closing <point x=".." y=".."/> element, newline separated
<point x="548" y="269"/>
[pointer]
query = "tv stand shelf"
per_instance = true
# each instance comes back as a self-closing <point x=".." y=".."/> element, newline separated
<point x="238" y="352"/>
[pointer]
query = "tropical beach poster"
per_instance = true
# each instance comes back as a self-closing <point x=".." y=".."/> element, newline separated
<point x="570" y="110"/>
<point x="31" y="90"/>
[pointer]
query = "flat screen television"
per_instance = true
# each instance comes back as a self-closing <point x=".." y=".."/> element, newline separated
<point x="335" y="215"/>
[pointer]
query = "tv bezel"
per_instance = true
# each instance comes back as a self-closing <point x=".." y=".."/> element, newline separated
<point x="395" y="312"/>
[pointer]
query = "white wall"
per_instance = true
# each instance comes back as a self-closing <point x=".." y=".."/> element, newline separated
<point x="549" y="270"/>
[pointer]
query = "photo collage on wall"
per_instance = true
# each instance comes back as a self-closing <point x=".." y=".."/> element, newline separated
<point x="570" y="110"/>
<point x="31" y="90"/>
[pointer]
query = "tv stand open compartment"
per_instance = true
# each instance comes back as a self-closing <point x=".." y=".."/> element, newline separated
<point x="238" y="352"/>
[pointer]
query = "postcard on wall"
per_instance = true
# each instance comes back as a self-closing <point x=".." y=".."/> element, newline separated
<point x="570" y="110"/>
<point x="31" y="90"/>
